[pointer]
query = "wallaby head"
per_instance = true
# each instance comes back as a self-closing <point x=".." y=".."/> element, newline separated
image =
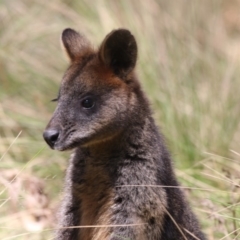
<point x="97" y="96"/>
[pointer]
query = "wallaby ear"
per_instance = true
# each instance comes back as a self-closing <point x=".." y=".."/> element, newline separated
<point x="75" y="44"/>
<point x="119" y="51"/>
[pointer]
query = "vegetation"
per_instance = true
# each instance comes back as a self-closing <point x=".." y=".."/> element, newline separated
<point x="189" y="57"/>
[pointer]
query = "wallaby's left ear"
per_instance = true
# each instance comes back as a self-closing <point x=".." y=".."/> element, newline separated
<point x="75" y="44"/>
<point x="119" y="51"/>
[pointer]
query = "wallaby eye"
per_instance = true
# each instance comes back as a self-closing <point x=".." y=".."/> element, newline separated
<point x="54" y="100"/>
<point x="88" y="102"/>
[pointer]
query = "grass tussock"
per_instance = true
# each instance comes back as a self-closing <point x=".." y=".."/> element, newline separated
<point x="189" y="66"/>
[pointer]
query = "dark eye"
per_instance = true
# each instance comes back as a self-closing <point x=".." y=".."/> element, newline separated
<point x="54" y="100"/>
<point x="88" y="103"/>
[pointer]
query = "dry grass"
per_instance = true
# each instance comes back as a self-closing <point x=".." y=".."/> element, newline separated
<point x="189" y="66"/>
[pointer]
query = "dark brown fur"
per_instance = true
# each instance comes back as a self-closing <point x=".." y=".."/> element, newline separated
<point x="117" y="173"/>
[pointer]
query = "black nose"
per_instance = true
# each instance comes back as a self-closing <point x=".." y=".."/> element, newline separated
<point x="51" y="136"/>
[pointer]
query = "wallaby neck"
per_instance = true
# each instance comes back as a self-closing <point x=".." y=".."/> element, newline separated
<point x="134" y="141"/>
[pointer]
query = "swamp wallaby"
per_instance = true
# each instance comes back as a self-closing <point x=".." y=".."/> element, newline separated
<point x="117" y="182"/>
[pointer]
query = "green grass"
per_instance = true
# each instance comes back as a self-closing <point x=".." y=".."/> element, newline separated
<point x="188" y="65"/>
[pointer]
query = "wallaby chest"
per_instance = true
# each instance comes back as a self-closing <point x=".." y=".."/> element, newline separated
<point x="93" y="189"/>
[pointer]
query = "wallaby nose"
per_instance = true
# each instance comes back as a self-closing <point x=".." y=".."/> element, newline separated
<point x="51" y="136"/>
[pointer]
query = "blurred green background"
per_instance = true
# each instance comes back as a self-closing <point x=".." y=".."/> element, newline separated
<point x="189" y="66"/>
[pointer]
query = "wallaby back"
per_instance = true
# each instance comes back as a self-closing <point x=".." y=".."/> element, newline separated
<point x="120" y="182"/>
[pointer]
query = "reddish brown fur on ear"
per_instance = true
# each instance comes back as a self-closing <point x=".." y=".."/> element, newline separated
<point x="119" y="51"/>
<point x="75" y="44"/>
